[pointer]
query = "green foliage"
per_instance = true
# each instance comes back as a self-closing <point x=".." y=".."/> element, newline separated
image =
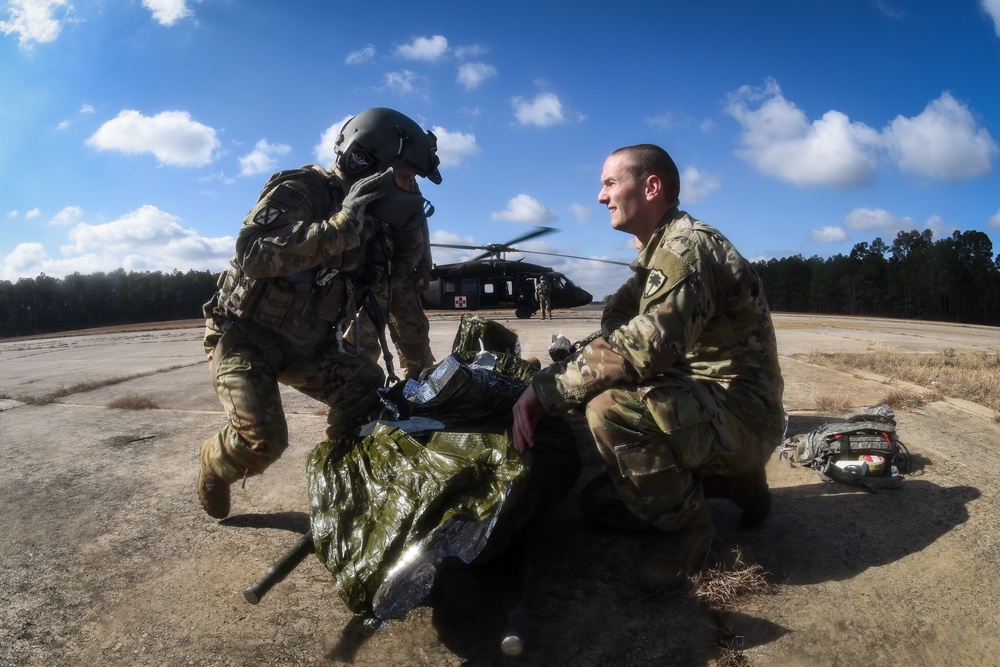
<point x="44" y="304"/>
<point x="955" y="279"/>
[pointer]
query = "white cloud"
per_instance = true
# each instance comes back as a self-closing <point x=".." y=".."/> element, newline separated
<point x="663" y="121"/>
<point x="454" y="147"/>
<point x="524" y="208"/>
<point x="880" y="221"/>
<point x="545" y="110"/>
<point x="828" y="235"/>
<point x="146" y="239"/>
<point x="472" y="75"/>
<point x="325" y="153"/>
<point x="401" y="83"/>
<point x="67" y="216"/>
<point x="171" y="136"/>
<point x="167" y="12"/>
<point x="360" y="56"/>
<point x="992" y="9"/>
<point x="429" y="49"/>
<point x="34" y="20"/>
<point x="994" y="220"/>
<point x="942" y="142"/>
<point x="779" y="141"/>
<point x="12" y="214"/>
<point x="87" y="109"/>
<point x="64" y="125"/>
<point x="263" y="158"/>
<point x="696" y="185"/>
<point x="33" y="213"/>
<point x="580" y="212"/>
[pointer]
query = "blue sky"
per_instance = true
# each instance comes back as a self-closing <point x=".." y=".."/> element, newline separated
<point x="137" y="134"/>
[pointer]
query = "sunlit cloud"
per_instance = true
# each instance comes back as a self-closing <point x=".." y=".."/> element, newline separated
<point x="428" y="49"/>
<point x="472" y="75"/>
<point x="828" y="235"/>
<point x="402" y="82"/>
<point x="778" y="140"/>
<point x="68" y="216"/>
<point x="34" y="21"/>
<point x="146" y="239"/>
<point x="994" y="220"/>
<point x="172" y="136"/>
<point x="942" y="142"/>
<point x="454" y="147"/>
<point x="167" y="12"/>
<point x="697" y="185"/>
<point x="263" y="158"/>
<point x="544" y="111"/>
<point x="524" y="208"/>
<point x="360" y="56"/>
<point x="992" y="9"/>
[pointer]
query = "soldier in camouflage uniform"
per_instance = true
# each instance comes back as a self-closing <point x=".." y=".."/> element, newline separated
<point x="681" y="387"/>
<point x="408" y="326"/>
<point x="317" y="248"/>
<point x="543" y="290"/>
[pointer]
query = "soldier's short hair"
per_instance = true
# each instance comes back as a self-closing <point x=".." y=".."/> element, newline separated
<point x="644" y="160"/>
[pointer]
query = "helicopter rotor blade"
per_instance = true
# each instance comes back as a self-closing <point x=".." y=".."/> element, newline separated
<point x="538" y="231"/>
<point x="556" y="254"/>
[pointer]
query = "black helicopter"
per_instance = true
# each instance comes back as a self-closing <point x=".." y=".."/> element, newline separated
<point x="492" y="281"/>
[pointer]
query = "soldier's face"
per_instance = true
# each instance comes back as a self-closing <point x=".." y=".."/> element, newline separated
<point x="624" y="196"/>
<point x="404" y="174"/>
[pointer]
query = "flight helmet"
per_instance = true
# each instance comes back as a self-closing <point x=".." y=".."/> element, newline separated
<point x="379" y="138"/>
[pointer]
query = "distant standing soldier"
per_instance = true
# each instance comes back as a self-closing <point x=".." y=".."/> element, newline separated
<point x="316" y="248"/>
<point x="682" y="385"/>
<point x="543" y="291"/>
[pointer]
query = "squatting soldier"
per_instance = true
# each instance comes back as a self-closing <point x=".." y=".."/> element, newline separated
<point x="543" y="290"/>
<point x="681" y="386"/>
<point x="317" y="248"/>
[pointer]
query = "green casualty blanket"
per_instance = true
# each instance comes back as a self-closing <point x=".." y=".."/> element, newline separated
<point x="436" y="478"/>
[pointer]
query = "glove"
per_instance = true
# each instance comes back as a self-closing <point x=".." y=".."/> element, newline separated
<point x="360" y="195"/>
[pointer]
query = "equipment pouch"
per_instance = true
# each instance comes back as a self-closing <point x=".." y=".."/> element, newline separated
<point x="275" y="302"/>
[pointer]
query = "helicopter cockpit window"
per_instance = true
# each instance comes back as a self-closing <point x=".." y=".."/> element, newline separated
<point x="560" y="282"/>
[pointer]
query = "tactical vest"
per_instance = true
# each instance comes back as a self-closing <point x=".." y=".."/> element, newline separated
<point x="313" y="305"/>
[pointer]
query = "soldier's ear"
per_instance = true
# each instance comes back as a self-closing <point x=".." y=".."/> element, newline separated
<point x="654" y="187"/>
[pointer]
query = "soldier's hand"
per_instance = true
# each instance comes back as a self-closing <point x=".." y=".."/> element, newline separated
<point x="527" y="412"/>
<point x="360" y="195"/>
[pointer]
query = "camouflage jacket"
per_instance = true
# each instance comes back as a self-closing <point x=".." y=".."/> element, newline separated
<point x="693" y="304"/>
<point x="301" y="267"/>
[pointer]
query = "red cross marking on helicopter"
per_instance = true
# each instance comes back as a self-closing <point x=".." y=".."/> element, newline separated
<point x="461" y="302"/>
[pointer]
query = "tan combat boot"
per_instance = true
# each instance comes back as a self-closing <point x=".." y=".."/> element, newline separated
<point x="678" y="555"/>
<point x="213" y="491"/>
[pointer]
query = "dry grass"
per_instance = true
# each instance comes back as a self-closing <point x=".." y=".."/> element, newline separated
<point x="833" y="404"/>
<point x="719" y="585"/>
<point x="970" y="376"/>
<point x="133" y="402"/>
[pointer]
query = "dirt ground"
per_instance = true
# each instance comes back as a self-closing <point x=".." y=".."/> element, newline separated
<point x="108" y="559"/>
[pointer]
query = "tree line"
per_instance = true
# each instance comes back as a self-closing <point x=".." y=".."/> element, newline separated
<point x="954" y="279"/>
<point x="32" y="306"/>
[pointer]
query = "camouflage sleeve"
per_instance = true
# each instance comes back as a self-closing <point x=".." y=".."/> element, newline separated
<point x="290" y="230"/>
<point x="646" y="346"/>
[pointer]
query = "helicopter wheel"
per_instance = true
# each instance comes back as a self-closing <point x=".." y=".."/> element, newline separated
<point x="523" y="313"/>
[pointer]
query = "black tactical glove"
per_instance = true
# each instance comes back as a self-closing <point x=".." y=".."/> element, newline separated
<point x="360" y="195"/>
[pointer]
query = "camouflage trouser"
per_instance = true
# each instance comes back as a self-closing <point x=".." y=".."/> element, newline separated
<point x="246" y="379"/>
<point x="408" y="327"/>
<point x="543" y="305"/>
<point x="657" y="439"/>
